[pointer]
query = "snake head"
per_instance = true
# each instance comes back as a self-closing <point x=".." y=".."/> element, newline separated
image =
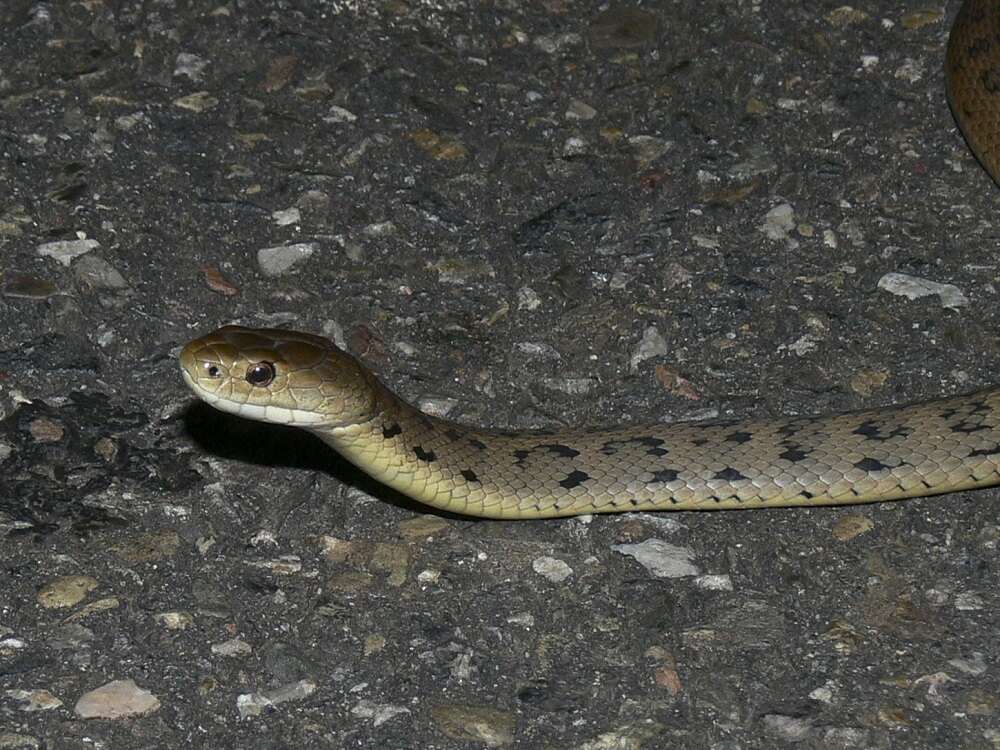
<point x="279" y="376"/>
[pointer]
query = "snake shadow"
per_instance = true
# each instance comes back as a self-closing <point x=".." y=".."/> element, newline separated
<point x="233" y="438"/>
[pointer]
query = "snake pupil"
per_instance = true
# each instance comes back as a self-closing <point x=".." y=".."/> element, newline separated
<point x="260" y="374"/>
<point x="212" y="371"/>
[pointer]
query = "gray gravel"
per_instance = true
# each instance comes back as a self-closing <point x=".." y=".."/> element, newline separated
<point x="520" y="214"/>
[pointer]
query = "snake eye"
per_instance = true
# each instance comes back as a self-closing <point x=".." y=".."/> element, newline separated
<point x="212" y="371"/>
<point x="261" y="374"/>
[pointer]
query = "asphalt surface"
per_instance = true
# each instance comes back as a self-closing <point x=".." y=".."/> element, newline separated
<point x="522" y="215"/>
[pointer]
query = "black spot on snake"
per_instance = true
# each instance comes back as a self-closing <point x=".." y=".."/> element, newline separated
<point x="469" y="475"/>
<point x="452" y="435"/>
<point x="559" y="449"/>
<point x="985" y="451"/>
<point x="654" y="444"/>
<point x="665" y="475"/>
<point x="870" y="431"/>
<point x="390" y="431"/>
<point x="991" y="81"/>
<point x="788" y="430"/>
<point x="739" y="437"/>
<point x="966" y="428"/>
<point x="980" y="46"/>
<point x="979" y="407"/>
<point x="793" y="427"/>
<point x="870" y="464"/>
<point x="968" y="409"/>
<point x="729" y="474"/>
<point x="574" y="479"/>
<point x="423" y="455"/>
<point x="477" y="444"/>
<point x="794" y="453"/>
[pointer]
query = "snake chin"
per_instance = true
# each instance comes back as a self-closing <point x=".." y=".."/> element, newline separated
<point x="272" y="414"/>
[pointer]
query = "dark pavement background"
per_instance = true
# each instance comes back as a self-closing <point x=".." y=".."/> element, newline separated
<point x="520" y="214"/>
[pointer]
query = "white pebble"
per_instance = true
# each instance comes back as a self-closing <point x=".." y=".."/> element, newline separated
<point x="554" y="570"/>
<point x="662" y="559"/>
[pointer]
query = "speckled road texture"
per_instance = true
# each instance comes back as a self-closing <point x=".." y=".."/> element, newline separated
<point x="521" y="215"/>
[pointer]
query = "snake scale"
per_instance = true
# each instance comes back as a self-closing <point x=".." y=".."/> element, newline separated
<point x="926" y="448"/>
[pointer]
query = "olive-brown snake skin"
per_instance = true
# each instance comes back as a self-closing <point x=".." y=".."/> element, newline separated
<point x="927" y="448"/>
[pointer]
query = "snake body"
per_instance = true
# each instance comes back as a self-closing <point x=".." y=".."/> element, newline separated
<point x="972" y="79"/>
<point x="299" y="379"/>
<point x="927" y="448"/>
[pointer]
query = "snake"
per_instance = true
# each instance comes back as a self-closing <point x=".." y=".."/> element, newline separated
<point x="927" y="448"/>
